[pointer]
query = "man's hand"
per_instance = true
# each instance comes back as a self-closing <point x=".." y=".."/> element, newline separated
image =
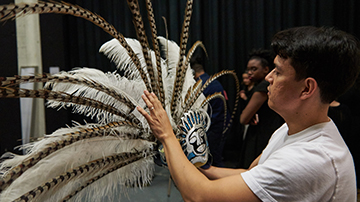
<point x="157" y="119"/>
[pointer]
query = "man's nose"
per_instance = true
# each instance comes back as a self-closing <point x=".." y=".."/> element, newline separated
<point x="268" y="77"/>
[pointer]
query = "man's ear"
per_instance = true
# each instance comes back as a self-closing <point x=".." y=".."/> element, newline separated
<point x="310" y="87"/>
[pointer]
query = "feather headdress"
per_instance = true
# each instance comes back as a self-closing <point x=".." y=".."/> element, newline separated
<point x="119" y="147"/>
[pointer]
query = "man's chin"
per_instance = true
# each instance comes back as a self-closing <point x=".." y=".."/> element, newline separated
<point x="271" y="105"/>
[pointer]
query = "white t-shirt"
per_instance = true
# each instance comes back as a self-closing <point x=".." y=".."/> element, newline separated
<point x="312" y="165"/>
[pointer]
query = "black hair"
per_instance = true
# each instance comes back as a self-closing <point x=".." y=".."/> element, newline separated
<point x="330" y="56"/>
<point x="266" y="57"/>
<point x="196" y="63"/>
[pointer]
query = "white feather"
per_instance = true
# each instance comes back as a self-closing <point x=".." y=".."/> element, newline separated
<point x="119" y="55"/>
<point x="73" y="156"/>
<point x="111" y="142"/>
<point x="171" y="51"/>
<point x="132" y="89"/>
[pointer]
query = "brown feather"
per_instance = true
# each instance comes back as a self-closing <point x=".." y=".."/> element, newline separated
<point x="180" y="71"/>
<point x="115" y="162"/>
<point x="159" y="80"/>
<point x="18" y="10"/>
<point x="124" y="159"/>
<point x="140" y="31"/>
<point x="16" y="80"/>
<point x="69" y="138"/>
<point x="14" y="92"/>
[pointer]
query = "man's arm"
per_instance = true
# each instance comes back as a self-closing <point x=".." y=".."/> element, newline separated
<point x="192" y="184"/>
<point x="214" y="173"/>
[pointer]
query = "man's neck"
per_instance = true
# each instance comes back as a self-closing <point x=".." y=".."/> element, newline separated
<point x="302" y="119"/>
<point x="198" y="74"/>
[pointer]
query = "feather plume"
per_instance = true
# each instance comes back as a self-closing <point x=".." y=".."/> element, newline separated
<point x="192" y="50"/>
<point x="195" y="96"/>
<point x="112" y="82"/>
<point x="181" y="69"/>
<point x="18" y="10"/>
<point x="61" y="138"/>
<point x="237" y="83"/>
<point x="64" y="77"/>
<point x="191" y="90"/>
<point x="214" y="96"/>
<point x="88" y="161"/>
<point x="16" y="80"/>
<point x="152" y="23"/>
<point x="140" y="31"/>
<point x="62" y="162"/>
<point x="82" y="105"/>
<point x="99" y="168"/>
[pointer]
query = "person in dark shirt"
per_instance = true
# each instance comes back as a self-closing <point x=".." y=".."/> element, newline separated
<point x="216" y="110"/>
<point x="262" y="120"/>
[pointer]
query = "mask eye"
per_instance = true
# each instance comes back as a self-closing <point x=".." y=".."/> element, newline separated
<point x="192" y="139"/>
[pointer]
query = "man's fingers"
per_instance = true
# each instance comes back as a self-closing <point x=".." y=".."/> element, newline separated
<point x="144" y="113"/>
<point x="147" y="101"/>
<point x="152" y="99"/>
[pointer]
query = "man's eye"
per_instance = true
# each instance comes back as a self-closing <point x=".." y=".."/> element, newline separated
<point x="276" y="72"/>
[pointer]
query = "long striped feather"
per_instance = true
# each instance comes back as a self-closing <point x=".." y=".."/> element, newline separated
<point x="140" y="31"/>
<point x="195" y="96"/>
<point x="192" y="50"/>
<point x="18" y="10"/>
<point x="58" y="141"/>
<point x="152" y="23"/>
<point x="115" y="162"/>
<point x="118" y="165"/>
<point x="196" y="92"/>
<point x="16" y="80"/>
<point x="217" y="95"/>
<point x="237" y="83"/>
<point x="180" y="71"/>
<point x="118" y="148"/>
<point x="191" y="90"/>
<point x="66" y="99"/>
<point x="236" y="99"/>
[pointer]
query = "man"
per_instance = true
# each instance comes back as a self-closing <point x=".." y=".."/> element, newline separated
<point x="306" y="158"/>
<point x="216" y="110"/>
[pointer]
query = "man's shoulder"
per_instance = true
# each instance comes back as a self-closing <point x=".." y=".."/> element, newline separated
<point x="302" y="168"/>
<point x="310" y="149"/>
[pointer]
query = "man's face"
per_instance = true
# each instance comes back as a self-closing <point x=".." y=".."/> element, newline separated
<point x="284" y="90"/>
<point x="255" y="71"/>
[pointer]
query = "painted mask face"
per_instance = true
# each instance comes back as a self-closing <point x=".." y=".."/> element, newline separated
<point x="197" y="141"/>
<point x="192" y="137"/>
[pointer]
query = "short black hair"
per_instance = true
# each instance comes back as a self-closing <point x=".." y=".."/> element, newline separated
<point x="328" y="55"/>
<point x="266" y="57"/>
<point x="196" y="63"/>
